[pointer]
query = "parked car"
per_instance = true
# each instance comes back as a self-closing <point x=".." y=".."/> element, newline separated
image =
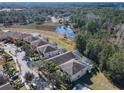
<point x="10" y="59"/>
<point x="15" y="77"/>
<point x="80" y="87"/>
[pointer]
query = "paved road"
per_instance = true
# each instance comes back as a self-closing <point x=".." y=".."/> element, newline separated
<point x="19" y="57"/>
<point x="11" y="50"/>
<point x="23" y="63"/>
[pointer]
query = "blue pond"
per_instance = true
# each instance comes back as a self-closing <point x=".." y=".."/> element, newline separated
<point x="65" y="30"/>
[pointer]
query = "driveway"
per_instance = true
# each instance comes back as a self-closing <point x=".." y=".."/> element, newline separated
<point x="18" y="57"/>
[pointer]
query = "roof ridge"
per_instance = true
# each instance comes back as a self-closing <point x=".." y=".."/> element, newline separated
<point x="49" y="46"/>
<point x="59" y="55"/>
<point x="43" y="45"/>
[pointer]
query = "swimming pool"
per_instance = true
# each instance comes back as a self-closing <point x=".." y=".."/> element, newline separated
<point x="65" y="30"/>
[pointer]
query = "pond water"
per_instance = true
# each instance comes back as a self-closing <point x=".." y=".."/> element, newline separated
<point x="65" y="30"/>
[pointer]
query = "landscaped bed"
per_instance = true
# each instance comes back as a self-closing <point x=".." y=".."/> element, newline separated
<point x="10" y="68"/>
<point x="7" y="57"/>
<point x="17" y="84"/>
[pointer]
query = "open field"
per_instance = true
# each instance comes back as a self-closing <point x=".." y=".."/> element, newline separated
<point x="46" y="26"/>
<point x="69" y="44"/>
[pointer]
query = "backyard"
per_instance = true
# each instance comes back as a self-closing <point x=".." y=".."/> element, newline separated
<point x="68" y="44"/>
<point x="97" y="81"/>
<point x="101" y="82"/>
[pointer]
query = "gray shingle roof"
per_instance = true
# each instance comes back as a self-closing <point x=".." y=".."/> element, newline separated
<point x="34" y="38"/>
<point x="38" y="43"/>
<point x="60" y="59"/>
<point x="49" y="49"/>
<point x="72" y="67"/>
<point x="46" y="49"/>
<point x="42" y="43"/>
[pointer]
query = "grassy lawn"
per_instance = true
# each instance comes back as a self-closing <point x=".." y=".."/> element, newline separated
<point x="46" y="26"/>
<point x="101" y="82"/>
<point x="68" y="44"/>
<point x="11" y="64"/>
<point x="23" y="88"/>
<point x="6" y="55"/>
<point x="97" y="82"/>
<point x="10" y="68"/>
<point x="17" y="84"/>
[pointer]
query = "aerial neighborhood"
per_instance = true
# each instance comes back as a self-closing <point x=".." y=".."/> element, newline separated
<point x="61" y="46"/>
<point x="72" y="63"/>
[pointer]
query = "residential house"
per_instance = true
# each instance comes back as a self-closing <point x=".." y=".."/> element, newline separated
<point x="38" y="43"/>
<point x="74" y="69"/>
<point x="11" y="35"/>
<point x="69" y="63"/>
<point x="62" y="58"/>
<point x="47" y="51"/>
<point x="24" y="35"/>
<point x="30" y="39"/>
<point x="8" y="34"/>
<point x="15" y="36"/>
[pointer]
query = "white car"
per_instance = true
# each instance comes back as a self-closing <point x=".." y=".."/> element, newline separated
<point x="80" y="87"/>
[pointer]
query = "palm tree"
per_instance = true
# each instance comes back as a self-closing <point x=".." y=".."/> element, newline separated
<point x="29" y="76"/>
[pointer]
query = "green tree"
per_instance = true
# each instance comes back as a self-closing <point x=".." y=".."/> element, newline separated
<point x="29" y="76"/>
<point x="116" y="68"/>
